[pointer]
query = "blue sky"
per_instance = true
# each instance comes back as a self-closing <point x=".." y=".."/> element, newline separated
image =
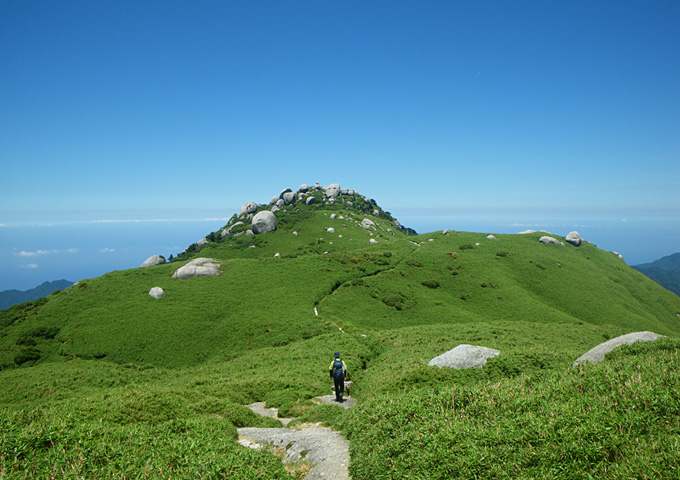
<point x="466" y="115"/>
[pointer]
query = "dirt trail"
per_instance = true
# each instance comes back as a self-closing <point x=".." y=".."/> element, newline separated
<point x="327" y="451"/>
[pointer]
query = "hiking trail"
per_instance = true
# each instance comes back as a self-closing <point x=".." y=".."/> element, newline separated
<point x="326" y="450"/>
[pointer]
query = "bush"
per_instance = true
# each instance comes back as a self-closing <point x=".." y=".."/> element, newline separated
<point x="27" y="355"/>
<point x="502" y="254"/>
<point x="394" y="301"/>
<point x="431" y="284"/>
<point x="467" y="246"/>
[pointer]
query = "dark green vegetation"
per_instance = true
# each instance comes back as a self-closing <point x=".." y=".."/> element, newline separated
<point x="103" y="381"/>
<point x="665" y="272"/>
<point x="12" y="297"/>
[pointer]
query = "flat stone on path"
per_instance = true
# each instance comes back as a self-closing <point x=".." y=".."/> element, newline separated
<point x="260" y="409"/>
<point x="347" y="402"/>
<point x="326" y="450"/>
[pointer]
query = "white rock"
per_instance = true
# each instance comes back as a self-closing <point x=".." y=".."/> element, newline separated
<point x="368" y="223"/>
<point x="248" y="207"/>
<point x="596" y="354"/>
<point x="264" y="222"/>
<point x="287" y="190"/>
<point x="227" y="231"/>
<point x="330" y="230"/>
<point x="546" y="239"/>
<point x="202" y="241"/>
<point x="491" y="237"/>
<point x="277" y="255"/>
<point x="153" y="260"/>
<point x="333" y="216"/>
<point x="310" y="201"/>
<point x="526" y="231"/>
<point x="574" y="239"/>
<point x="157" y="292"/>
<point x="295" y="233"/>
<point x="464" y="356"/>
<point x="289" y="198"/>
<point x="303" y="188"/>
<point x="199" y="267"/>
<point x="372" y="241"/>
<point x="332" y="191"/>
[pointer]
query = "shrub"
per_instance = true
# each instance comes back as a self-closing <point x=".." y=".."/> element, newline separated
<point x="45" y="332"/>
<point x="467" y="246"/>
<point x="502" y="254"/>
<point x="26" y="340"/>
<point x="394" y="301"/>
<point x="431" y="284"/>
<point x="30" y="354"/>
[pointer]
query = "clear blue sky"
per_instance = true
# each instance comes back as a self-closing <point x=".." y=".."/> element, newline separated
<point x="450" y="114"/>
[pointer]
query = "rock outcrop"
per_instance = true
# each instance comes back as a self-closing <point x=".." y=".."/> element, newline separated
<point x="200" y="267"/>
<point x="596" y="354"/>
<point x="264" y="222"/>
<point x="153" y="260"/>
<point x="464" y="356"/>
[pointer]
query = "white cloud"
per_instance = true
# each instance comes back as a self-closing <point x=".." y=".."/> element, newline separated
<point x="106" y="250"/>
<point x="29" y="265"/>
<point x="36" y="253"/>
<point x="152" y="220"/>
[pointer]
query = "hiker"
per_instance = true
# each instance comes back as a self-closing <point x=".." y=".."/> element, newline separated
<point x="338" y="371"/>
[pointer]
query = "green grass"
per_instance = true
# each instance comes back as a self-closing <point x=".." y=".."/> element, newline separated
<point x="102" y="381"/>
<point x="619" y="419"/>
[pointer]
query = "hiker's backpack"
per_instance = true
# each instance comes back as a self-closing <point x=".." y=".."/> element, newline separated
<point x="337" y="369"/>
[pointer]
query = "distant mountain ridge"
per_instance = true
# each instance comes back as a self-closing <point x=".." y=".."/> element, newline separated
<point x="665" y="272"/>
<point x="12" y="297"/>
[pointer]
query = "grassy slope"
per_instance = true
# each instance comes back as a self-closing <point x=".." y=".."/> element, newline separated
<point x="123" y="367"/>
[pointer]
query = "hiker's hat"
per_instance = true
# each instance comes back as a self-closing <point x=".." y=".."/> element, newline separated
<point x="336" y="355"/>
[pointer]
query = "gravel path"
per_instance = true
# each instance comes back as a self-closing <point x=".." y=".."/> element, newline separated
<point x="327" y="451"/>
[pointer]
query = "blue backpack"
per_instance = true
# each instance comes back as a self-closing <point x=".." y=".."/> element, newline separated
<point x="337" y="369"/>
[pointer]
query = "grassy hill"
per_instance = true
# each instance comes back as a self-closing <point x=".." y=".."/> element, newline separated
<point x="12" y="297"/>
<point x="103" y="381"/>
<point x="665" y="272"/>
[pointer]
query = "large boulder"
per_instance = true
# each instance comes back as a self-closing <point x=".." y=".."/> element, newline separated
<point x="287" y="190"/>
<point x="310" y="200"/>
<point x="596" y="354"/>
<point x="288" y="198"/>
<point x="248" y="207"/>
<point x="303" y="188"/>
<point x="264" y="222"/>
<point x="574" y="239"/>
<point x="153" y="260"/>
<point x="333" y="190"/>
<point x="199" y="267"/>
<point x="157" y="292"/>
<point x="464" y="356"/>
